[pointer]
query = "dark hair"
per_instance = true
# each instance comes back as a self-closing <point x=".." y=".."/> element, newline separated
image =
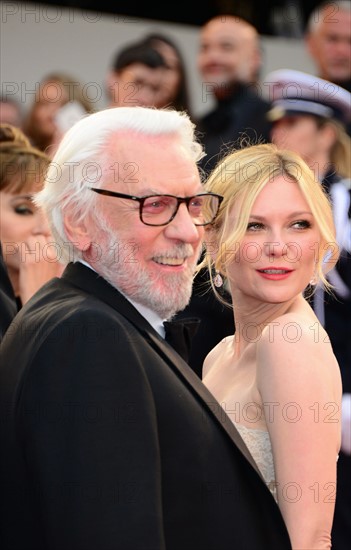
<point x="138" y="53"/>
<point x="181" y="101"/>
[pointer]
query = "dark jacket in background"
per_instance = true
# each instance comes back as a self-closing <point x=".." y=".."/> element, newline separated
<point x="244" y="114"/>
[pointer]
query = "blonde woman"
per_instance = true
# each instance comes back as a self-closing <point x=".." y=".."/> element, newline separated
<point x="311" y="116"/>
<point x="277" y="376"/>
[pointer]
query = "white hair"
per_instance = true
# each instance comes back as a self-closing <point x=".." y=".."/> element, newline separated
<point x="316" y="16"/>
<point x="81" y="161"/>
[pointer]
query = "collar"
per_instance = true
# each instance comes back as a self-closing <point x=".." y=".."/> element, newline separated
<point x="330" y="178"/>
<point x="151" y="316"/>
<point x="86" y="264"/>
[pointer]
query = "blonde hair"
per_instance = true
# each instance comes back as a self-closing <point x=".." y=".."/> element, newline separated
<point x="340" y="154"/>
<point x="22" y="167"/>
<point x="241" y="176"/>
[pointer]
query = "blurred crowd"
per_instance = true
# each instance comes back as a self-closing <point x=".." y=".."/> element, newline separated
<point x="307" y="113"/>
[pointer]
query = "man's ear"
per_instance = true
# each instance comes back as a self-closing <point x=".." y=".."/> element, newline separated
<point x="111" y="86"/>
<point x="77" y="232"/>
<point x="329" y="134"/>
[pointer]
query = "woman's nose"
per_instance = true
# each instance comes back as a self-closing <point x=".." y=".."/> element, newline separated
<point x="275" y="247"/>
<point x="41" y="226"/>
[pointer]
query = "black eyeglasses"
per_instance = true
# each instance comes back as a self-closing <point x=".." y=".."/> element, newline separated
<point x="161" y="209"/>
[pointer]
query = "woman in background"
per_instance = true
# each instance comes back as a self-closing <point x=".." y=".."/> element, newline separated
<point x="25" y="236"/>
<point x="60" y="101"/>
<point x="174" y="91"/>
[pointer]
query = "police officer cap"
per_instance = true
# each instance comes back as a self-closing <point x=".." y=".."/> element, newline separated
<point x="295" y="92"/>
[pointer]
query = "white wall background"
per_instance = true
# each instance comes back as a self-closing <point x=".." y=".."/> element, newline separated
<point x="36" y="39"/>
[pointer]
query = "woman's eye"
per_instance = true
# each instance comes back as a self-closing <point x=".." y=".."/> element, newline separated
<point x="301" y="224"/>
<point x="254" y="226"/>
<point x="24" y="209"/>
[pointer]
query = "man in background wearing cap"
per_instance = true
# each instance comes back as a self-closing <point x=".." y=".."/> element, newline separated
<point x="309" y="116"/>
<point x="328" y="40"/>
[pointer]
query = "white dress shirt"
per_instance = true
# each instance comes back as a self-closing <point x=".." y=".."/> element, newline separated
<point x="153" y="318"/>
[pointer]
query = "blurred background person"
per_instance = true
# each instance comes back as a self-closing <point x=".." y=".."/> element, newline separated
<point x="136" y="76"/>
<point x="328" y="40"/>
<point x="24" y="232"/>
<point x="10" y="111"/>
<point x="174" y="91"/>
<point x="229" y="61"/>
<point x="60" y="101"/>
<point x="314" y="126"/>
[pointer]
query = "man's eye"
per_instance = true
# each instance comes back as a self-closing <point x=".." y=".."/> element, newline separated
<point x="158" y="203"/>
<point x="197" y="203"/>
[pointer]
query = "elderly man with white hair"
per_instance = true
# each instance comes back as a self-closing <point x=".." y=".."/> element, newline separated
<point x="110" y="440"/>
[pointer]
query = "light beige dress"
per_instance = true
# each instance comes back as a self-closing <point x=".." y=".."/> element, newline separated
<point x="259" y="445"/>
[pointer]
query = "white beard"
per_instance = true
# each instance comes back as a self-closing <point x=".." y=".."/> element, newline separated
<point x="164" y="294"/>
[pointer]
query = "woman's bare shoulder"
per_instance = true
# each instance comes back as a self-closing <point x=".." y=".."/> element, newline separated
<point x="215" y="354"/>
<point x="292" y="328"/>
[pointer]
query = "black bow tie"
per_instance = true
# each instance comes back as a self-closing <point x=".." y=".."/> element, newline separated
<point x="179" y="334"/>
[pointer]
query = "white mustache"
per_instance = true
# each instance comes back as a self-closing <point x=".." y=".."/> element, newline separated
<point x="181" y="251"/>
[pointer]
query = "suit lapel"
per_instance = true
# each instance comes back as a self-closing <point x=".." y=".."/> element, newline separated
<point x="209" y="401"/>
<point x="92" y="283"/>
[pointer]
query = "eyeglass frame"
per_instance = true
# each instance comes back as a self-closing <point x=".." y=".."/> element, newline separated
<point x="142" y="199"/>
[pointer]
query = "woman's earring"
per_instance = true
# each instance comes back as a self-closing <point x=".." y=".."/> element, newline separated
<point x="218" y="281"/>
<point x="313" y="281"/>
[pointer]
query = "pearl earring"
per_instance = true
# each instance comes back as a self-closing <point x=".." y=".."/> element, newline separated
<point x="218" y="281"/>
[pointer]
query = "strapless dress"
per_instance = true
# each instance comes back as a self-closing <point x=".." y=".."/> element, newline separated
<point x="259" y="444"/>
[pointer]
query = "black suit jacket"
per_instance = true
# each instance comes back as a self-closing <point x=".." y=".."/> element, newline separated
<point x="8" y="305"/>
<point x="111" y="442"/>
<point x="216" y="320"/>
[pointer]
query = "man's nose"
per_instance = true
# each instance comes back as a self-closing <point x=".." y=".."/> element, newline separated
<point x="182" y="227"/>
